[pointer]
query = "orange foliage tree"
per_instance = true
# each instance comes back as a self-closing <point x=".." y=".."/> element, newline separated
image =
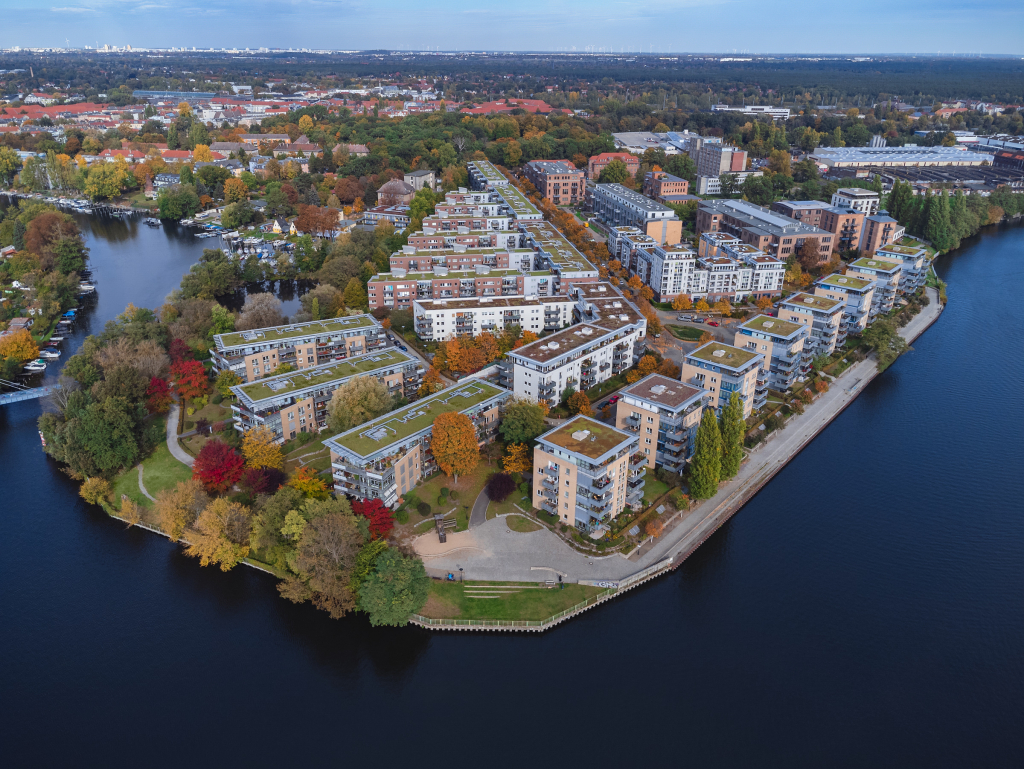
<point x="454" y="444"/>
<point x="19" y="346"/>
<point x="309" y="483"/>
<point x="579" y="403"/>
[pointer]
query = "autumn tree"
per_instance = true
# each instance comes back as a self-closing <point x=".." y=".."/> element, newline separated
<point x="189" y="379"/>
<point x="235" y="190"/>
<point x="764" y="304"/>
<point x="325" y="558"/>
<point x="579" y="403"/>
<point x="397" y="588"/>
<point x="682" y="302"/>
<point x="488" y="347"/>
<point x="669" y="369"/>
<point x="225" y="380"/>
<point x="358" y="401"/>
<point x="262" y="310"/>
<point x="702" y="306"/>
<point x="218" y="466"/>
<point x="723" y="306"/>
<point x="355" y="294"/>
<point x="810" y="254"/>
<point x="522" y="421"/>
<point x="260" y="449"/>
<point x="202" y="154"/>
<point x="634" y="283"/>
<point x="18" y="346"/>
<point x="131" y="512"/>
<point x="309" y="483"/>
<point x="654" y="528"/>
<point x="647" y="293"/>
<point x="380" y="517"/>
<point x="518" y="459"/>
<point x="706" y="337"/>
<point x="431" y="383"/>
<point x="158" y="396"/>
<point x="706" y="465"/>
<point x="178" y="508"/>
<point x="454" y="444"/>
<point x="95" y="490"/>
<point x="220" y="534"/>
<point x="647" y="365"/>
<point x="732" y="428"/>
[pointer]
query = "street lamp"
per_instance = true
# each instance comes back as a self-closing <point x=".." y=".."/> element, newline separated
<point x="460" y="575"/>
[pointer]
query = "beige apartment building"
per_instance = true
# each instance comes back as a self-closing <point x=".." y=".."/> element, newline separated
<point x="781" y="342"/>
<point x="665" y="414"/>
<point x="857" y="295"/>
<point x="886" y="278"/>
<point x="823" y="318"/>
<point x="722" y="369"/>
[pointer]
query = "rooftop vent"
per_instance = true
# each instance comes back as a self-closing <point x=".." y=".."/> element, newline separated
<point x="769" y="323"/>
<point x="587" y="331"/>
<point x="581" y="435"/>
<point x="872" y="262"/>
<point x="553" y="345"/>
<point x="544" y="347"/>
<point x="624" y="317"/>
<point x="842" y="280"/>
<point x="719" y="353"/>
<point x="658" y="389"/>
<point x="808" y="300"/>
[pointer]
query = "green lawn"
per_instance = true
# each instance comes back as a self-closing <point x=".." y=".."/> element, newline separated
<point x="653" y="488"/>
<point x="686" y="333"/>
<point x="160" y="471"/>
<point x="502" y="600"/>
<point x="469" y="487"/>
<point x="494" y="509"/>
<point x="521" y="524"/>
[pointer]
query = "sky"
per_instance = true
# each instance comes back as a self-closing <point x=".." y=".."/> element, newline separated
<point x="719" y="26"/>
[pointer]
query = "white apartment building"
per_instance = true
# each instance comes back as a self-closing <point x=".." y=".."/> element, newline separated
<point x="712" y="185"/>
<point x="619" y="206"/>
<point x="437" y="320"/>
<point x="886" y="277"/>
<point x="775" y="113"/>
<point x="915" y="265"/>
<point x="864" y="201"/>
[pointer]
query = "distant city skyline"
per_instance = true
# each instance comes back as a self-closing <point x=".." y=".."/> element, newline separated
<point x="669" y="26"/>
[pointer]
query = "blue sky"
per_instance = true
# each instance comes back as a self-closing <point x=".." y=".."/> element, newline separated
<point x="797" y="26"/>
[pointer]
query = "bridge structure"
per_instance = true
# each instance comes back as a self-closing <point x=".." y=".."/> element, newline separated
<point x="23" y="393"/>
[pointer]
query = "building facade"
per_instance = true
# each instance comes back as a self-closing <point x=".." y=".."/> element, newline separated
<point x="761" y="228"/>
<point x="440" y="320"/>
<point x="846" y="224"/>
<point x="718" y="159"/>
<point x="558" y="181"/>
<point x="722" y="369"/>
<point x="619" y="206"/>
<point x="658" y="184"/>
<point x="857" y="295"/>
<point x="665" y="414"/>
<point x="880" y="230"/>
<point x="886" y="278"/>
<point x="597" y="163"/>
<point x="915" y="265"/>
<point x="865" y="201"/>
<point x="823" y="318"/>
<point x="781" y="342"/>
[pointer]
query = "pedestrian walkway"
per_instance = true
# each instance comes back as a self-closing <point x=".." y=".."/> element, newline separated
<point x="172" y="437"/>
<point x="142" y="486"/>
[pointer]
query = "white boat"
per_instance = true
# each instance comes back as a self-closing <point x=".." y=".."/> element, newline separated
<point x="35" y="366"/>
<point x="86" y="287"/>
<point x="56" y="339"/>
<point x="49" y="354"/>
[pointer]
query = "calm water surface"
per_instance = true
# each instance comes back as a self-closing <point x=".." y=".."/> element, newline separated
<point x="866" y="608"/>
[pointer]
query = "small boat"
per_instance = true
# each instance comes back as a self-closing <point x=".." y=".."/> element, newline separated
<point x="49" y="354"/>
<point x="86" y="287"/>
<point x="35" y="366"/>
<point x="57" y="339"/>
<point x="153" y="222"/>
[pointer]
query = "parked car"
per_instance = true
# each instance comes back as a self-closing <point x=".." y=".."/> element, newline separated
<point x="613" y="400"/>
<point x="403" y="348"/>
<point x="714" y="323"/>
<point x="602" y="405"/>
<point x="682" y="317"/>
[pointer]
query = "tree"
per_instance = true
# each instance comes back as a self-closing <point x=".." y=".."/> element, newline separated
<point x="355" y="294"/>
<point x="261" y="310"/>
<point x="728" y="182"/>
<point x="189" y="379"/>
<point x="431" y="383"/>
<point x="519" y="459"/>
<point x="325" y="557"/>
<point x="616" y="172"/>
<point x="179" y="201"/>
<point x="810" y="254"/>
<point x="95" y="490"/>
<point x="226" y="379"/>
<point x="579" y="403"/>
<point x="669" y="369"/>
<point x="9" y="164"/>
<point x="397" y="588"/>
<point x="647" y="293"/>
<point x="706" y="337"/>
<point x="654" y="528"/>
<point x="357" y="401"/>
<point x="522" y="421"/>
<point x="884" y="337"/>
<point x="220" y="534"/>
<point x="309" y="483"/>
<point x="647" y="365"/>
<point x="706" y="465"/>
<point x="779" y="162"/>
<point x="682" y="302"/>
<point x="634" y="283"/>
<point x="218" y="466"/>
<point x="260" y="449"/>
<point x="732" y="428"/>
<point x="454" y="444"/>
<point x="499" y="486"/>
<point x="158" y="396"/>
<point x="19" y="346"/>
<point x="379" y="515"/>
<point x="235" y="190"/>
<point x="723" y="306"/>
<point x="764" y="304"/>
<point x="178" y="508"/>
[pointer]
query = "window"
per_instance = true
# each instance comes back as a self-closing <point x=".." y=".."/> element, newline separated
<point x="647" y="440"/>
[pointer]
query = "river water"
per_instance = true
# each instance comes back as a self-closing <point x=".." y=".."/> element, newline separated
<point x="866" y="608"/>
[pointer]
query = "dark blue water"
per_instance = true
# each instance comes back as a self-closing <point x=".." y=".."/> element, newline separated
<point x="865" y="609"/>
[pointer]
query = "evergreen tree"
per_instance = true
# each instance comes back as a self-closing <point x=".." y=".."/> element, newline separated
<point x="706" y="465"/>
<point x="172" y="137"/>
<point x="732" y="436"/>
<point x="19" y="235"/>
<point x="937" y="228"/>
<point x="312" y="197"/>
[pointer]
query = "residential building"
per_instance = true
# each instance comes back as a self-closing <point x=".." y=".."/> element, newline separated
<point x="429" y="239"/>
<point x="296" y="402"/>
<point x="804" y="211"/>
<point x="782" y="343"/>
<point x="722" y="369"/>
<point x="516" y="204"/>
<point x="442" y="319"/>
<point x="665" y="414"/>
<point x="880" y="230"/>
<point x="846" y="224"/>
<point x="458" y="256"/>
<point x="712" y="185"/>
<point x="257" y="353"/>
<point x="858" y="295"/>
<point x="761" y="228"/>
<point x="597" y="163"/>
<point x="717" y="159"/>
<point x="563" y="263"/>
<point x="484" y="176"/>
<point x="669" y="271"/>
<point x="386" y="457"/>
<point x="398" y="289"/>
<point x="658" y="184"/>
<point x="728" y="268"/>
<point x="887" y="157"/>
<point x="915" y="265"/>
<point x="619" y="206"/>
<point x="558" y="181"/>
<point x="420" y="179"/>
<point x="865" y="201"/>
<point x="823" y="318"/>
<point x="775" y="113"/>
<point x="395" y="193"/>
<point x="886" y="277"/>
<point x="398" y="216"/>
<point x="586" y="472"/>
<point x="628" y="242"/>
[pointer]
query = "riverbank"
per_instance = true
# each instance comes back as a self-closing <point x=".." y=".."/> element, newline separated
<point x="487" y="553"/>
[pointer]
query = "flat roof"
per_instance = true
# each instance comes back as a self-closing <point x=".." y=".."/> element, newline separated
<point x="486" y="302"/>
<point x="396" y="426"/>
<point x="869" y="263"/>
<point x="600" y="439"/>
<point x="812" y="301"/>
<point x="665" y="391"/>
<point x="487" y="170"/>
<point x="565" y="341"/>
<point x="759" y="218"/>
<point x="296" y="381"/>
<point x="906" y="250"/>
<point x="641" y="201"/>
<point x="556" y="246"/>
<point x="295" y="330"/>
<point x="845" y="281"/>
<point x="766" y="324"/>
<point x="729" y="357"/>
<point x="521" y="206"/>
<point x="468" y="274"/>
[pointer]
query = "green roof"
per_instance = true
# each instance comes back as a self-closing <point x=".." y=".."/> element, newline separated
<point x="518" y="202"/>
<point x="294" y="381"/>
<point x="488" y="170"/>
<point x="730" y="357"/>
<point x="811" y="300"/>
<point x="470" y="274"/>
<point x="845" y="281"/>
<point x="294" y="330"/>
<point x="599" y="440"/>
<point x="869" y="263"/>
<point x="766" y="324"/>
<point x="908" y="250"/>
<point x="415" y="418"/>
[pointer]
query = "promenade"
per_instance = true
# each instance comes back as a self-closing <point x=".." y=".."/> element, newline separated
<point x="492" y="552"/>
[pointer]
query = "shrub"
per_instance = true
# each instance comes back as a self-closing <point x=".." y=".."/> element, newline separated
<point x="524" y="489"/>
<point x="453" y="495"/>
<point x="444" y="492"/>
<point x="500" y="486"/>
<point x="95" y="490"/>
<point x="402" y="516"/>
<point x="189" y="424"/>
<point x="442" y="500"/>
<point x="423" y="508"/>
<point x="217" y="398"/>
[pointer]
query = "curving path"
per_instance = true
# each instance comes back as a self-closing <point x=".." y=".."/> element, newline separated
<point x="172" y="437"/>
<point x="142" y="488"/>
<point x="478" y="515"/>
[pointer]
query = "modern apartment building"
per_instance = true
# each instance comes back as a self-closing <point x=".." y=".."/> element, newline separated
<point x="517" y="205"/>
<point x="386" y="457"/>
<point x="823" y="318"/>
<point x="886" y="278"/>
<point x="558" y="181"/>
<point x="865" y="201"/>
<point x="429" y="239"/>
<point x="556" y="257"/>
<point x="619" y="206"/>
<point x="257" y="353"/>
<point x="805" y="211"/>
<point x="597" y="163"/>
<point x="858" y="295"/>
<point x="586" y="472"/>
<point x="722" y="369"/>
<point x="657" y="184"/>
<point x="847" y="226"/>
<point x="775" y="113"/>
<point x="629" y="244"/>
<point x="781" y="342"/>
<point x="484" y="176"/>
<point x="761" y="228"/>
<point x="727" y="268"/>
<point x="399" y="289"/>
<point x="460" y="257"/>
<point x="915" y="265"/>
<point x="442" y="319"/>
<point x="718" y="159"/>
<point x="665" y="414"/>
<point x="296" y="402"/>
<point x="880" y="230"/>
<point x="712" y="185"/>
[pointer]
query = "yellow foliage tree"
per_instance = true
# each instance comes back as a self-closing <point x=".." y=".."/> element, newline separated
<point x="235" y="190"/>
<point x="647" y="293"/>
<point x="95" y="490"/>
<point x="519" y="459"/>
<point x="260" y="449"/>
<point x="634" y="283"/>
<point x="220" y="535"/>
<point x="702" y="306"/>
<point x="632" y="377"/>
<point x="18" y="346"/>
<point x="184" y="110"/>
<point x="705" y="338"/>
<point x="647" y="365"/>
<point x="305" y="123"/>
<point x="723" y="306"/>
<point x="131" y="513"/>
<point x="764" y="303"/>
<point x="202" y="154"/>
<point x="431" y="383"/>
<point x="682" y="302"/>
<point x="454" y="444"/>
<point x="311" y="485"/>
<point x="579" y="403"/>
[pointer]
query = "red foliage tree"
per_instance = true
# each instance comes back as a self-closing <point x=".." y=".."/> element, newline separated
<point x="262" y="480"/>
<point x="189" y="378"/>
<point x="158" y="396"/>
<point x="218" y="466"/>
<point x="179" y="351"/>
<point x="381" y="519"/>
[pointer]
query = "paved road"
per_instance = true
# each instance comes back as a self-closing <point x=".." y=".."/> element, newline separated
<point x="172" y="437"/>
<point x="478" y="515"/>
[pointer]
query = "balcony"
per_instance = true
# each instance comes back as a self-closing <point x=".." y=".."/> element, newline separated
<point x="601" y="483"/>
<point x="637" y="460"/>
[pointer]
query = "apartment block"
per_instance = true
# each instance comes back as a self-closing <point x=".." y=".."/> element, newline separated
<point x="558" y="181"/>
<point x="597" y="163"/>
<point x="398" y="289"/>
<point x="657" y="184"/>
<point x="517" y="205"/>
<point x="442" y="319"/>
<point x="467" y="218"/>
<point x="712" y="185"/>
<point x="761" y="228"/>
<point x="586" y="472"/>
<point x="865" y="201"/>
<point x="728" y="268"/>
<point x="386" y="457"/>
<point x="619" y="206"/>
<point x="670" y="271"/>
<point x="665" y="414"/>
<point x="880" y="230"/>
<point x="257" y="353"/>
<point x="630" y="243"/>
<point x="886" y="278"/>
<point x="804" y="211"/>
<point x="857" y="294"/>
<point x="459" y="257"/>
<point x="823" y="318"/>
<point x="429" y="239"/>
<point x="484" y="176"/>
<point x="718" y="159"/>
<point x="775" y="113"/>
<point x="296" y="402"/>
<point x="722" y="369"/>
<point x="556" y="257"/>
<point x="915" y="265"/>
<point x="781" y="342"/>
